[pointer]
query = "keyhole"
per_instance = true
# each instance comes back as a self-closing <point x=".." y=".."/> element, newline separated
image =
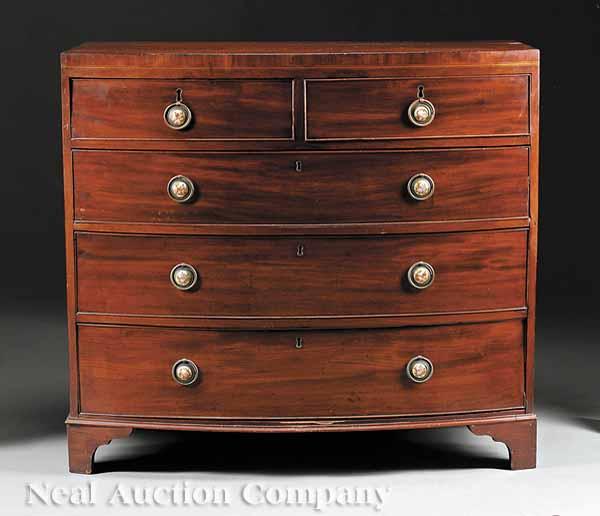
<point x="298" y="166"/>
<point x="300" y="250"/>
<point x="299" y="343"/>
<point x="178" y="95"/>
<point x="421" y="91"/>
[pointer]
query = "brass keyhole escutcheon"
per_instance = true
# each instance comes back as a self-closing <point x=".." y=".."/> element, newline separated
<point x="299" y="342"/>
<point x="300" y="250"/>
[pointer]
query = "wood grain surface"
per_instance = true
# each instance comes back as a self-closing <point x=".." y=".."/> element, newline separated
<point x="377" y="108"/>
<point x="205" y="57"/>
<point x="222" y="109"/>
<point x="471" y="184"/>
<point x="340" y="109"/>
<point x="263" y="374"/>
<point x="335" y="276"/>
<point x="520" y="439"/>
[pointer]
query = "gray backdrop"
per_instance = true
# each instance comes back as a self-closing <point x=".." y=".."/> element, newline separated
<point x="33" y="400"/>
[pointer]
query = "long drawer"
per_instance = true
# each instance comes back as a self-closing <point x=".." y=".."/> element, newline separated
<point x="301" y="277"/>
<point x="476" y="367"/>
<point x="300" y="187"/>
<point x="372" y="109"/>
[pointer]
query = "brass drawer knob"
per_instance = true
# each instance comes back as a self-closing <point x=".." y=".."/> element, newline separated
<point x="184" y="276"/>
<point x="181" y="189"/>
<point x="421" y="112"/>
<point x="177" y="115"/>
<point x="420" y="187"/>
<point x="421" y="275"/>
<point x="419" y="369"/>
<point x="185" y="372"/>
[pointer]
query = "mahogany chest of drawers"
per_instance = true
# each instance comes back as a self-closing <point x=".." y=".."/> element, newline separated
<point x="301" y="237"/>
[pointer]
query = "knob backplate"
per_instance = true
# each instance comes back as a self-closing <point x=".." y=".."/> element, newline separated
<point x="414" y="270"/>
<point x="416" y="107"/>
<point x="188" y="268"/>
<point x="419" y="361"/>
<point x="191" y="189"/>
<point x="177" y="116"/>
<point x="412" y="182"/>
<point x="184" y="362"/>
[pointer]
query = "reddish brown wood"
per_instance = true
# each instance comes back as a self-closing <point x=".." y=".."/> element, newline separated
<point x="331" y="56"/>
<point x="222" y="110"/>
<point x="335" y="276"/>
<point x="311" y="322"/>
<point x="271" y="426"/>
<point x="71" y="272"/>
<point x="519" y="437"/>
<point x="477" y="367"/>
<point x="377" y="108"/>
<point x="487" y="94"/>
<point x="330" y="188"/>
<point x="85" y="440"/>
<point x="322" y="229"/>
<point x="299" y="144"/>
<point x="532" y="244"/>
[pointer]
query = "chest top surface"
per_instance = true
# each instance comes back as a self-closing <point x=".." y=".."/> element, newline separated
<point x="297" y="53"/>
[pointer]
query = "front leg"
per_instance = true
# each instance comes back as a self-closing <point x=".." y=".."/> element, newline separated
<point x="84" y="440"/>
<point x="520" y="437"/>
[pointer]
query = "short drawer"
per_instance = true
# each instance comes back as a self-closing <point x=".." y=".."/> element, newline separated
<point x="220" y="109"/>
<point x="356" y="109"/>
<point x="300" y="188"/>
<point x="129" y="371"/>
<point x="242" y="276"/>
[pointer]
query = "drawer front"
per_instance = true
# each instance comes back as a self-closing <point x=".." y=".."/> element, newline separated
<point x="300" y="277"/>
<point x="378" y="108"/>
<point x="128" y="371"/>
<point x="329" y="188"/>
<point x="220" y="109"/>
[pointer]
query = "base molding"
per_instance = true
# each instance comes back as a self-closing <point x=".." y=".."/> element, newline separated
<point x="86" y="433"/>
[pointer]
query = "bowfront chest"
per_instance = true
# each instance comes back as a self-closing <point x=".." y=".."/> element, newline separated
<point x="289" y="237"/>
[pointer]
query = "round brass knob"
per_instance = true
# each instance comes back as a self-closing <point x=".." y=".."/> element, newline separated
<point x="421" y="112"/>
<point x="185" y="372"/>
<point x="421" y="275"/>
<point x="177" y="115"/>
<point x="181" y="189"/>
<point x="421" y="187"/>
<point x="184" y="276"/>
<point x="419" y="369"/>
